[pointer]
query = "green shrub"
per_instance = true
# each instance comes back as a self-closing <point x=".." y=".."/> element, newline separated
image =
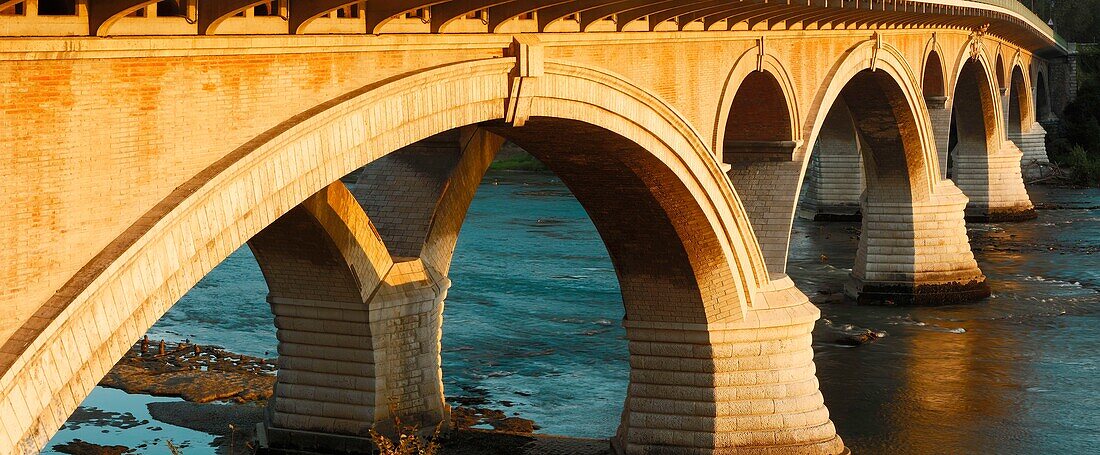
<point x="1077" y="146"/>
<point x="1086" y="167"/>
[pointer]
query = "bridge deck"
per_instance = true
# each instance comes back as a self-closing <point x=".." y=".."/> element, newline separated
<point x="191" y="17"/>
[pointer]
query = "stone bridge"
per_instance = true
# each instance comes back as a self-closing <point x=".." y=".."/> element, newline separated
<point x="145" y="141"/>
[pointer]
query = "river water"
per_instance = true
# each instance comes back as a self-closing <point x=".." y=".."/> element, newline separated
<point x="532" y="326"/>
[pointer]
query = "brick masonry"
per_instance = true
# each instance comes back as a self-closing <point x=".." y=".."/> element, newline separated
<point x="138" y="164"/>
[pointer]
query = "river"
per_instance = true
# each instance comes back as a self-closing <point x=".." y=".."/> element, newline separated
<point x="532" y="326"/>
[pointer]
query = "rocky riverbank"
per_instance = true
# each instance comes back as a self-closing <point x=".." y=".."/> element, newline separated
<point x="225" y="394"/>
<point x="198" y="374"/>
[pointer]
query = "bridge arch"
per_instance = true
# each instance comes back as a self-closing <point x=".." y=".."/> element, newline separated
<point x="756" y="134"/>
<point x="934" y="75"/>
<point x="976" y="110"/>
<point x="919" y="144"/>
<point x="148" y="268"/>
<point x="999" y="72"/>
<point x="875" y="88"/>
<point x="782" y="113"/>
<point x="983" y="162"/>
<point x="1020" y="111"/>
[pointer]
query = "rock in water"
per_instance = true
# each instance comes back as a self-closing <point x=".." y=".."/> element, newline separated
<point x="862" y="338"/>
<point x="196" y="374"/>
<point x="78" y="447"/>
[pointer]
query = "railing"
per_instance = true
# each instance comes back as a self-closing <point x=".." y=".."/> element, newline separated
<point x="1015" y="6"/>
<point x="1037" y="22"/>
<point x="16" y="17"/>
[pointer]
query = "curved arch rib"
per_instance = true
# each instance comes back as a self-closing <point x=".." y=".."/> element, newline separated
<point x="447" y="12"/>
<point x="103" y="13"/>
<point x="302" y="13"/>
<point x="558" y="12"/>
<point x="212" y="14"/>
<point x="502" y="13"/>
<point x="626" y="17"/>
<point x="379" y="12"/>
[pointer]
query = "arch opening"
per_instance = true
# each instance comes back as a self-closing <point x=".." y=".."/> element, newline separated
<point x="834" y="180"/>
<point x="1043" y="112"/>
<point x="757" y="143"/>
<point x="973" y="120"/>
<point x="1019" y="104"/>
<point x="759" y="123"/>
<point x="892" y="154"/>
<point x="872" y="114"/>
<point x="932" y="82"/>
<point x="935" y="90"/>
<point x="331" y="293"/>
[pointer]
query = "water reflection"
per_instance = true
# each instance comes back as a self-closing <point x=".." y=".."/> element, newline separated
<point x="990" y="377"/>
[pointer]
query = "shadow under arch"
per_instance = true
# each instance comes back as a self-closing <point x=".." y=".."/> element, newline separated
<point x="144" y="271"/>
<point x="999" y="72"/>
<point x="1020" y="111"/>
<point x="835" y="179"/>
<point x="1043" y="111"/>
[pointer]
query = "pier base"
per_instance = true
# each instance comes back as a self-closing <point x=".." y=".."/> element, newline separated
<point x="916" y="253"/>
<point x="995" y="185"/>
<point x="743" y="387"/>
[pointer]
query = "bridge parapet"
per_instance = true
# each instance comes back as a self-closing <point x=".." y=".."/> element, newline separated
<point x="208" y="17"/>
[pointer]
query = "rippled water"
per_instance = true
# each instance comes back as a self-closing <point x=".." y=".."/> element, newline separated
<point x="1022" y="377"/>
<point x="532" y="326"/>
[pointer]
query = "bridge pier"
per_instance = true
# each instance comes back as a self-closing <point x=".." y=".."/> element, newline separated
<point x="358" y="302"/>
<point x="986" y="165"/>
<point x="345" y="369"/>
<point x="1033" y="144"/>
<point x="834" y="178"/>
<point x="358" y="330"/>
<point x="732" y="388"/>
<point x="939" y="113"/>
<point x="994" y="183"/>
<point x="916" y="253"/>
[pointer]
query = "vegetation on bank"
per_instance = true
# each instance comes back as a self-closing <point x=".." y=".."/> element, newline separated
<point x="1074" y="20"/>
<point x="1077" y="144"/>
<point x="517" y="162"/>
